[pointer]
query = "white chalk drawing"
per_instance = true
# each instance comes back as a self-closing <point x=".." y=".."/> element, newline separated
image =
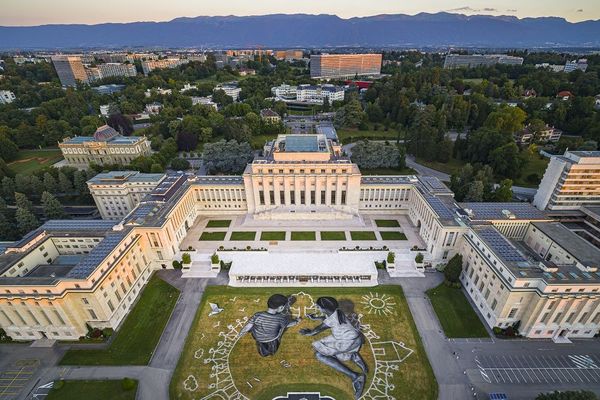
<point x="388" y="355"/>
<point x="378" y="304"/>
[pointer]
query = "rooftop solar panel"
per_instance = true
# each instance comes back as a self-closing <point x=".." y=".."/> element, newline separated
<point x="439" y="207"/>
<point x="501" y="246"/>
<point x="84" y="268"/>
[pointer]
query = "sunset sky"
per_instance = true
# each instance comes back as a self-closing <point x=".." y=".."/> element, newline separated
<point x="35" y="12"/>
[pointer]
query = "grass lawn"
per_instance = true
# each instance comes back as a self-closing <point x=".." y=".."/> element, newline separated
<point x="29" y="161"/>
<point x="363" y="235"/>
<point x="218" y="223"/>
<point x="243" y="235"/>
<point x="333" y="235"/>
<point x="392" y="235"/>
<point x="351" y="135"/>
<point x="92" y="390"/>
<point x="387" y="223"/>
<point x="268" y="378"/>
<point x="451" y="167"/>
<point x="213" y="236"/>
<point x="457" y="317"/>
<point x="304" y="235"/>
<point x="139" y="334"/>
<point x="536" y="164"/>
<point x="389" y="171"/>
<point x="272" y="235"/>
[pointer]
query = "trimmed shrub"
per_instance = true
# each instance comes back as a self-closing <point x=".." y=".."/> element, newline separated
<point x="186" y="258"/>
<point x="107" y="332"/>
<point x="391" y="257"/>
<point x="419" y="258"/>
<point x="128" y="384"/>
<point x="214" y="259"/>
<point x="453" y="269"/>
<point x="59" y="384"/>
<point x="176" y="264"/>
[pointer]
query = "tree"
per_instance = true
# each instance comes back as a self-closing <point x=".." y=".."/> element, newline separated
<point x="503" y="192"/>
<point x="370" y="155"/>
<point x="180" y="164"/>
<point x="8" y="150"/>
<point x="50" y="184"/>
<point x="505" y="161"/>
<point x="8" y="188"/>
<point x="23" y="202"/>
<point x="168" y="150"/>
<point x="351" y="115"/>
<point x="120" y="123"/>
<point x="52" y="207"/>
<point x="26" y="221"/>
<point x="187" y="141"/>
<point x="228" y="157"/>
<point x="37" y="186"/>
<point x="64" y="184"/>
<point x="506" y="120"/>
<point x="453" y="269"/>
<point x="475" y="191"/>
<point x="568" y="395"/>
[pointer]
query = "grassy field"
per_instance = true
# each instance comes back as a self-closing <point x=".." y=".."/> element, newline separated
<point x="393" y="235"/>
<point x="264" y="378"/>
<point x="218" y="223"/>
<point x="304" y="235"/>
<point x="29" y="161"/>
<point x="272" y="235"/>
<point x="139" y="334"/>
<point x="363" y="235"/>
<point x="92" y="390"/>
<point x="536" y="164"/>
<point x="451" y="167"/>
<point x="333" y="235"/>
<point x="243" y="235"/>
<point x="351" y="135"/>
<point x="455" y="313"/>
<point x="209" y="236"/>
<point x="387" y="223"/>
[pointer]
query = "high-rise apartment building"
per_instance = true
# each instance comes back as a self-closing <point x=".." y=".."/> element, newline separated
<point x="6" y="97"/>
<point x="150" y="65"/>
<point x="70" y="69"/>
<point x="289" y="55"/>
<point x="571" y="181"/>
<point x="327" y="66"/>
<point x="116" y="69"/>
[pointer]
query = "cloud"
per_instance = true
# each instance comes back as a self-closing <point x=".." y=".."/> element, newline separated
<point x="580" y="10"/>
<point x="512" y="10"/>
<point x="471" y="9"/>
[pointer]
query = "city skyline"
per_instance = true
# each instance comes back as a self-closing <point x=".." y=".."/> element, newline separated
<point x="37" y="12"/>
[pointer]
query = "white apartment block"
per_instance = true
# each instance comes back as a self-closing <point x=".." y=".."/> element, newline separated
<point x="116" y="69"/>
<point x="7" y="97"/>
<point x="571" y="181"/>
<point x="310" y="94"/>
<point x="116" y="193"/>
<point x="105" y="147"/>
<point x="150" y="65"/>
<point x="231" y="89"/>
<point x="205" y="101"/>
<point x="519" y="264"/>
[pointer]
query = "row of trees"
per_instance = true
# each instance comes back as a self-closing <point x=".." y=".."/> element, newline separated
<point x="18" y="220"/>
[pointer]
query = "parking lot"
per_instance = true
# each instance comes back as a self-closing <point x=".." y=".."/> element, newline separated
<point x="530" y="369"/>
<point x="13" y="378"/>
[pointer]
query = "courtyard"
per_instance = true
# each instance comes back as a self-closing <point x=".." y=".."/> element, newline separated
<point x="216" y="363"/>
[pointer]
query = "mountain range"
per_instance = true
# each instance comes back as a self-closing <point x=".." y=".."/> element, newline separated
<point x="303" y="30"/>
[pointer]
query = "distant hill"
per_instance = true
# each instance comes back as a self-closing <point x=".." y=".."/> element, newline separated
<point x="302" y="30"/>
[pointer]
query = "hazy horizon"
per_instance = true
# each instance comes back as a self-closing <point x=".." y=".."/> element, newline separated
<point x="42" y="12"/>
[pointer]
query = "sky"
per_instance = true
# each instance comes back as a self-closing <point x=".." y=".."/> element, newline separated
<point x="37" y="12"/>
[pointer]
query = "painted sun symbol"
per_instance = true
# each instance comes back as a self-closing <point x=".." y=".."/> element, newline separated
<point x="378" y="304"/>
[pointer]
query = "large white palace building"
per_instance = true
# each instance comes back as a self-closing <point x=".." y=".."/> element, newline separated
<point x="518" y="263"/>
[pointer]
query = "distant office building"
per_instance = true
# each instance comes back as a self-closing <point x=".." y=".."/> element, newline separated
<point x="581" y="65"/>
<point x="150" y="65"/>
<point x="571" y="181"/>
<point x="106" y="147"/>
<point x="344" y="65"/>
<point x="289" y="55"/>
<point x="116" y="193"/>
<point x="70" y="70"/>
<point x="116" y="69"/>
<point x="6" y="97"/>
<point x="479" y="60"/>
<point x="205" y="101"/>
<point x="231" y="89"/>
<point x="109" y="89"/>
<point x="310" y="94"/>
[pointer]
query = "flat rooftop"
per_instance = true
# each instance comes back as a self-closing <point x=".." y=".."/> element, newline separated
<point x="580" y="249"/>
<point x="118" y="177"/>
<point x="301" y="143"/>
<point x="503" y="211"/>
